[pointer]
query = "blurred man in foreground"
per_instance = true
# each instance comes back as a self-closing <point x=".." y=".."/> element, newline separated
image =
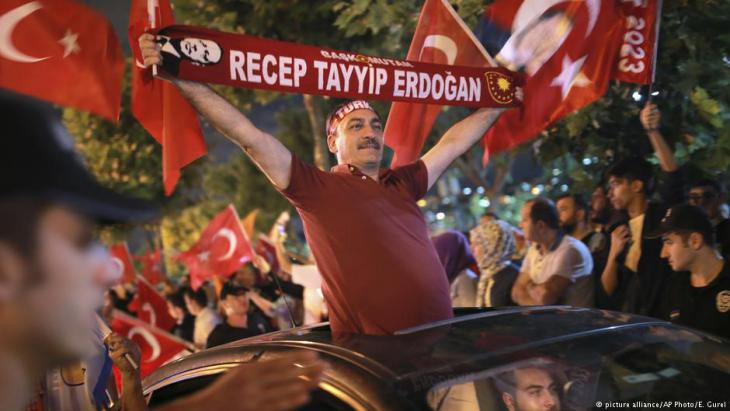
<point x="51" y="281"/>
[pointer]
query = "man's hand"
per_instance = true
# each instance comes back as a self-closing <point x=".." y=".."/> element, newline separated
<point x="619" y="238"/>
<point x="119" y="347"/>
<point x="535" y="292"/>
<point x="650" y="117"/>
<point x="150" y="50"/>
<point x="261" y="264"/>
<point x="280" y="384"/>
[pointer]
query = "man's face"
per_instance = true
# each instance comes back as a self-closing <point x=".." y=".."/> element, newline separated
<point x="201" y="51"/>
<point x="707" y="198"/>
<point x="620" y="192"/>
<point x="192" y="306"/>
<point x="358" y="139"/>
<point x="246" y="277"/>
<point x="236" y="304"/>
<point x="567" y="212"/>
<point x="537" y="43"/>
<point x="677" y="252"/>
<point x="529" y="229"/>
<point x="535" y="390"/>
<point x="57" y="314"/>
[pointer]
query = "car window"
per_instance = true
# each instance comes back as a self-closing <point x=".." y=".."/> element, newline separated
<point x="633" y="368"/>
<point x="321" y="400"/>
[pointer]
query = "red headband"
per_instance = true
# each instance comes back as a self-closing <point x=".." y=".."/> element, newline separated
<point x="334" y="120"/>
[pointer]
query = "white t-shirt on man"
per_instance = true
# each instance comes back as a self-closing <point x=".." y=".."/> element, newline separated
<point x="570" y="259"/>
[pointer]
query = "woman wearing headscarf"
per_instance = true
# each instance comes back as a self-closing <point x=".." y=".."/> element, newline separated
<point x="493" y="244"/>
<point x="455" y="255"/>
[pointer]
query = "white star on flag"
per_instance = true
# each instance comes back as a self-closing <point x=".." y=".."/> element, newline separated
<point x="70" y="44"/>
<point x="571" y="76"/>
<point x="204" y="256"/>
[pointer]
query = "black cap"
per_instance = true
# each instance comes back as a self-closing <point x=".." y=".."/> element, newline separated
<point x="230" y="288"/>
<point x="38" y="160"/>
<point x="684" y="218"/>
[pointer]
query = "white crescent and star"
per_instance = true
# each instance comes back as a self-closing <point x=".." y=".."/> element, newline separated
<point x="10" y="20"/>
<point x="150" y="339"/>
<point x="443" y="43"/>
<point x="229" y="235"/>
<point x="153" y="317"/>
<point x="117" y="266"/>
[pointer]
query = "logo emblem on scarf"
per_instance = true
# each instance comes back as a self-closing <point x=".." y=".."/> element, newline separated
<point x="723" y="301"/>
<point x="500" y="87"/>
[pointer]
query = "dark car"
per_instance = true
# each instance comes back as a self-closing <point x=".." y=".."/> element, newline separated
<point x="557" y="357"/>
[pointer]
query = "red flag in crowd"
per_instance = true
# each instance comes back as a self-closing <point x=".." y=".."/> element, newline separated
<point x="568" y="51"/>
<point x="63" y="52"/>
<point x="221" y="250"/>
<point x="637" y="56"/>
<point x="159" y="106"/>
<point x="152" y="266"/>
<point x="267" y="249"/>
<point x="150" y="306"/>
<point x="157" y="346"/>
<point x="122" y="260"/>
<point x="441" y="37"/>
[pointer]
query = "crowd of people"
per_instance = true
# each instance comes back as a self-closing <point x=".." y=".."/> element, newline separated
<point x="628" y="247"/>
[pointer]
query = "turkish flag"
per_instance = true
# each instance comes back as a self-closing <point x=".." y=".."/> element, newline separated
<point x="267" y="249"/>
<point x="567" y="50"/>
<point x="159" y="106"/>
<point x="63" y="52"/>
<point x="157" y="346"/>
<point x="223" y="247"/>
<point x="441" y="37"/>
<point x="122" y="260"/>
<point x="637" y="56"/>
<point x="150" y="306"/>
<point x="152" y="266"/>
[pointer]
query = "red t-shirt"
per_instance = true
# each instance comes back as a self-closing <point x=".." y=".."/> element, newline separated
<point x="371" y="244"/>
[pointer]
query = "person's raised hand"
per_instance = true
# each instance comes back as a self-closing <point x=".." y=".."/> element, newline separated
<point x="150" y="50"/>
<point x="261" y="264"/>
<point x="280" y="384"/>
<point x="119" y="347"/>
<point x="650" y="117"/>
<point x="619" y="238"/>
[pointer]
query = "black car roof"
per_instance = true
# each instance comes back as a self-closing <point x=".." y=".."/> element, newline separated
<point x="452" y="346"/>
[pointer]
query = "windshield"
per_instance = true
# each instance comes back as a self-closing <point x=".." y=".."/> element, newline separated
<point x="649" y="367"/>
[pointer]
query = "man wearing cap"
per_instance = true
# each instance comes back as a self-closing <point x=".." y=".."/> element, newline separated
<point x="52" y="278"/>
<point x="234" y="301"/>
<point x="368" y="237"/>
<point x="700" y="299"/>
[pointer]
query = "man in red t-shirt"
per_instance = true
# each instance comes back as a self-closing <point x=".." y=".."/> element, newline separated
<point x="368" y="237"/>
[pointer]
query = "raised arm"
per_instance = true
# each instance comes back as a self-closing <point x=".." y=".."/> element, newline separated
<point x="457" y="140"/>
<point x="651" y="118"/>
<point x="267" y="152"/>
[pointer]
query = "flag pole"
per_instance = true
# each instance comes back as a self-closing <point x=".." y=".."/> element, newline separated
<point x="656" y="47"/>
<point x="106" y="331"/>
<point x="151" y="18"/>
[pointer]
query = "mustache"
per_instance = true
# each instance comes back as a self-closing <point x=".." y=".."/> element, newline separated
<point x="369" y="142"/>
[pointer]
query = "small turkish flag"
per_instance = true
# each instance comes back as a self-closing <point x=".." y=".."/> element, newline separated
<point x="122" y="260"/>
<point x="441" y="37"/>
<point x="152" y="266"/>
<point x="63" y="52"/>
<point x="151" y="307"/>
<point x="223" y="247"/>
<point x="159" y="106"/>
<point x="157" y="346"/>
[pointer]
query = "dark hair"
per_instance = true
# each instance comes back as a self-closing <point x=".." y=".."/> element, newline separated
<point x="491" y="214"/>
<point x="19" y="218"/>
<point x="177" y="299"/>
<point x="544" y="210"/>
<point x="198" y="296"/>
<point x="708" y="182"/>
<point x="634" y="169"/>
<point x="579" y="200"/>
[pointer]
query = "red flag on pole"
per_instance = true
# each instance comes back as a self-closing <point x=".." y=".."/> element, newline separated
<point x="152" y="266"/>
<point x="151" y="307"/>
<point x="441" y="37"/>
<point x="637" y="57"/>
<point x="223" y="247"/>
<point x="159" y="106"/>
<point x="122" y="261"/>
<point x="566" y="49"/>
<point x="63" y="52"/>
<point x="157" y="346"/>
